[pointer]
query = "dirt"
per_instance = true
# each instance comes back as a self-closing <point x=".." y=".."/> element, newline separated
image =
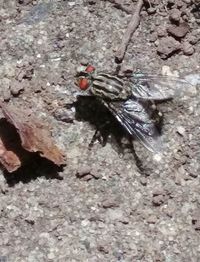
<point x="111" y="202"/>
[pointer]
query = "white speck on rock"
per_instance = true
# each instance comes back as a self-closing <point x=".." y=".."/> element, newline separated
<point x="157" y="157"/>
<point x="84" y="223"/>
<point x="166" y="71"/>
<point x="40" y="42"/>
<point x="71" y="3"/>
<point x="181" y="130"/>
<point x="51" y="256"/>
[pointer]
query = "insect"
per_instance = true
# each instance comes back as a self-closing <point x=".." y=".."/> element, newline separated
<point x="131" y="99"/>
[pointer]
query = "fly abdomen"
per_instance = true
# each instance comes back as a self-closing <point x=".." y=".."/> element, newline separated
<point x="108" y="87"/>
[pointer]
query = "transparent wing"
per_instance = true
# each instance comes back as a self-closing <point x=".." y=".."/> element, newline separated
<point x="158" y="87"/>
<point x="133" y="116"/>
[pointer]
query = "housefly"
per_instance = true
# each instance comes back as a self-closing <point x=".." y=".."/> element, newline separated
<point x="131" y="99"/>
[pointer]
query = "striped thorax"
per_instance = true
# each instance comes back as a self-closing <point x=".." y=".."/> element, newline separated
<point x="102" y="85"/>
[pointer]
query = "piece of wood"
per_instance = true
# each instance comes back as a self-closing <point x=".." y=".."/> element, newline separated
<point x="132" y="26"/>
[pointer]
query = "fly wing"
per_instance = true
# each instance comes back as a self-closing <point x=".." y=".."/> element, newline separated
<point x="133" y="116"/>
<point x="158" y="87"/>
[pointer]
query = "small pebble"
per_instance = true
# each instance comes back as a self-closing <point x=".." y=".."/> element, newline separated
<point x="181" y="130"/>
<point x="196" y="222"/>
<point x="193" y="39"/>
<point x="188" y="2"/>
<point x="85" y="222"/>
<point x="179" y="4"/>
<point x="168" y="46"/>
<point x="51" y="256"/>
<point x="110" y="203"/>
<point x="152" y="219"/>
<point x="83" y="171"/>
<point x="153" y="37"/>
<point x="124" y="220"/>
<point x="143" y="181"/>
<point x="166" y="71"/>
<point x="151" y="10"/>
<point x="87" y="177"/>
<point x="64" y="115"/>
<point x="193" y="174"/>
<point x="158" y="200"/>
<point x="16" y="88"/>
<point x="103" y="249"/>
<point x="158" y="191"/>
<point x="161" y="31"/>
<point x="158" y="197"/>
<point x="178" y="31"/>
<point x="157" y="157"/>
<point x="6" y="95"/>
<point x="84" y="62"/>
<point x="175" y="15"/>
<point x="188" y="49"/>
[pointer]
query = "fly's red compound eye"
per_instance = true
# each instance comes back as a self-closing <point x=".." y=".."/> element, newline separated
<point x="83" y="83"/>
<point x="90" y="69"/>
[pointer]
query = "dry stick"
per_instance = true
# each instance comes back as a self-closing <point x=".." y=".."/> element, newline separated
<point x="132" y="26"/>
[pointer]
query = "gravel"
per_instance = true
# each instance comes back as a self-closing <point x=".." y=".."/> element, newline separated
<point x="110" y="203"/>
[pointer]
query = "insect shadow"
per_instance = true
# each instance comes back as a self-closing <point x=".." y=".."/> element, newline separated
<point x="93" y="111"/>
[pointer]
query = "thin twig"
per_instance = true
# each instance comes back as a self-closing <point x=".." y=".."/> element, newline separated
<point x="132" y="26"/>
<point x="119" y="5"/>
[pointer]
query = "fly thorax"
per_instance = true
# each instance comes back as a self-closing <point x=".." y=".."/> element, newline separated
<point x="108" y="87"/>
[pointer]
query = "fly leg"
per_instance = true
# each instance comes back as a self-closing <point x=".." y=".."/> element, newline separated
<point x="96" y="136"/>
<point x="142" y="168"/>
<point x="101" y="135"/>
<point x="138" y="161"/>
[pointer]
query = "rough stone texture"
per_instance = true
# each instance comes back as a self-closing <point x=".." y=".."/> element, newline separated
<point x="179" y="31"/>
<point x="175" y="15"/>
<point x="115" y="214"/>
<point x="188" y="49"/>
<point x="168" y="46"/>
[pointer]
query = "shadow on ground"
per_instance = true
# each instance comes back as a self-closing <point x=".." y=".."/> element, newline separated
<point x="93" y="111"/>
<point x="34" y="168"/>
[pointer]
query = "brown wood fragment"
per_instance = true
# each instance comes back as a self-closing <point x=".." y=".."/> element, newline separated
<point x="35" y="137"/>
<point x="8" y="158"/>
<point x="20" y="134"/>
<point x="12" y="155"/>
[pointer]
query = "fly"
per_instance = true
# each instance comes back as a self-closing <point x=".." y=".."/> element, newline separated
<point x="131" y="99"/>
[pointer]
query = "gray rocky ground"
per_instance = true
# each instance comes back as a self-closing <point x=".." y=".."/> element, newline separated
<point x="107" y="204"/>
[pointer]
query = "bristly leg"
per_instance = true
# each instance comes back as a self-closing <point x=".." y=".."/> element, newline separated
<point x="101" y="135"/>
<point x="138" y="162"/>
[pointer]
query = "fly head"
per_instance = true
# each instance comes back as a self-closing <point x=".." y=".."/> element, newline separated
<point x="84" y="77"/>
